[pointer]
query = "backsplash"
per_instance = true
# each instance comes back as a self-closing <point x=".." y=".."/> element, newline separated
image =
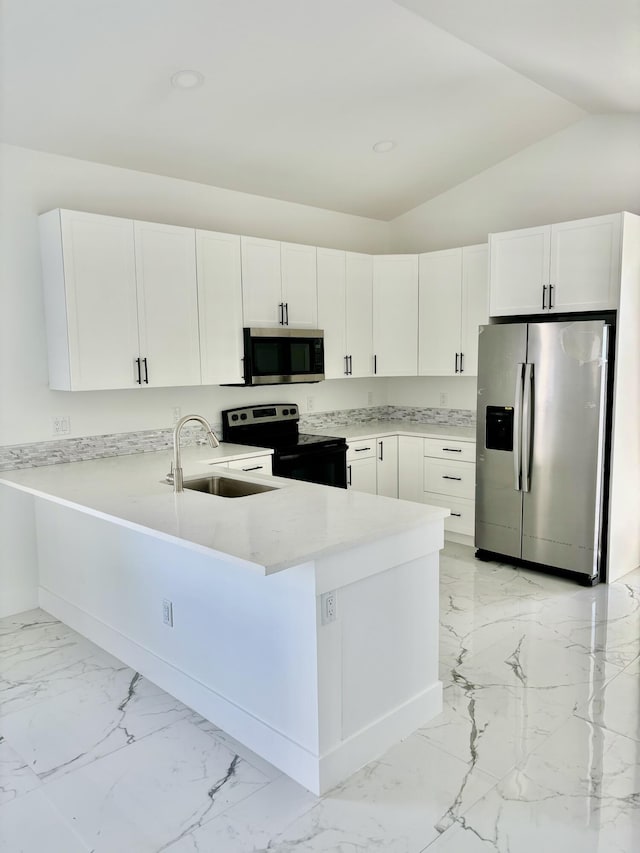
<point x="121" y="444"/>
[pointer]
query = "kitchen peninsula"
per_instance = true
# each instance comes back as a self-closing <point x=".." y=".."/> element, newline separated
<point x="304" y="619"/>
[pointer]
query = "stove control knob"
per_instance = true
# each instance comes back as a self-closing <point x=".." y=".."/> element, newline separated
<point x="234" y="417"/>
<point x="285" y="411"/>
<point x="292" y="411"/>
<point x="243" y="416"/>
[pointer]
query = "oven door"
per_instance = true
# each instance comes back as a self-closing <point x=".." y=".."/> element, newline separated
<point x="327" y="466"/>
<point x="276" y="356"/>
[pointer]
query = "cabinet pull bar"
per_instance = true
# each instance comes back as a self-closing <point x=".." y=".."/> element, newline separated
<point x="453" y="449"/>
<point x="281" y="312"/>
<point x="346" y="365"/>
<point x="457" y="514"/>
<point x="447" y="477"/>
<point x="381" y="457"/>
<point x="461" y="362"/>
<point x="544" y="296"/>
<point x="349" y="473"/>
<point x="139" y="379"/>
<point x="456" y="362"/>
<point x="360" y="449"/>
<point x="375" y="364"/>
<point x="254" y="468"/>
<point x="286" y="313"/>
<point x="551" y="286"/>
<point x="146" y="371"/>
<point x="350" y="365"/>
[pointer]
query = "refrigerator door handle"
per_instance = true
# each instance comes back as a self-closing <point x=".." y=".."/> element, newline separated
<point x="527" y="418"/>
<point x="517" y="429"/>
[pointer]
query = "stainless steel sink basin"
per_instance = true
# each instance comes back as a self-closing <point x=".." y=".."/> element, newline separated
<point x="226" y="487"/>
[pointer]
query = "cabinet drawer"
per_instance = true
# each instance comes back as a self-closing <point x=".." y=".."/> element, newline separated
<point x="462" y="518"/>
<point x="361" y="449"/>
<point x="255" y="464"/>
<point x="457" y="479"/>
<point x="444" y="448"/>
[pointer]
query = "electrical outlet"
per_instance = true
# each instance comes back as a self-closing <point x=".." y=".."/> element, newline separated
<point x="61" y="425"/>
<point x="443" y="398"/>
<point x="177" y="414"/>
<point x="167" y="612"/>
<point x="328" y="607"/>
<point x="310" y="403"/>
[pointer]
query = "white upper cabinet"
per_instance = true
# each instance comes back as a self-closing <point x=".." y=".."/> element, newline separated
<point x="453" y="302"/>
<point x="332" y="311"/>
<point x="395" y="315"/>
<point x="261" y="282"/>
<point x="359" y="311"/>
<point x="167" y="304"/>
<point x="279" y="284"/>
<point x="566" y="267"/>
<point x="219" y="307"/>
<point x="121" y="302"/>
<point x="88" y="264"/>
<point x="475" y="304"/>
<point x="585" y="264"/>
<point x="440" y="310"/>
<point x="299" y="285"/>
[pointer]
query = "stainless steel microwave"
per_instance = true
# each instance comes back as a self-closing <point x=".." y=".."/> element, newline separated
<point x="283" y="356"/>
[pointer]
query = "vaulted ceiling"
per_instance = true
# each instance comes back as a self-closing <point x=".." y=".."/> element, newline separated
<point x="295" y="93"/>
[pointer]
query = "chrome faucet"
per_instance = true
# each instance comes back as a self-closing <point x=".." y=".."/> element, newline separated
<point x="175" y="475"/>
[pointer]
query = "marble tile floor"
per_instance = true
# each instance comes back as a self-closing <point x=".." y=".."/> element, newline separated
<point x="537" y="749"/>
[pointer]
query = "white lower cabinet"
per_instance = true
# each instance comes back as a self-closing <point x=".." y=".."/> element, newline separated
<point x="387" y="466"/>
<point x="449" y="471"/>
<point x="361" y="466"/>
<point x="410" y="468"/>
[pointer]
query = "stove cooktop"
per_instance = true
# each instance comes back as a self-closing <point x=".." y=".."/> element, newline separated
<point x="275" y="426"/>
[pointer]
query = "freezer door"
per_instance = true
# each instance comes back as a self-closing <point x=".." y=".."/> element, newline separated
<point x="567" y="393"/>
<point x="501" y="358"/>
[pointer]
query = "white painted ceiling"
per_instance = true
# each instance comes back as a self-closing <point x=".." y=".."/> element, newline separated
<point x="296" y="92"/>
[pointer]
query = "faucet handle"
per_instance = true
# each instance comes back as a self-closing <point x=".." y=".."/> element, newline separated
<point x="170" y="478"/>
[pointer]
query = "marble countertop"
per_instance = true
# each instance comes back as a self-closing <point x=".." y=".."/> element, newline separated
<point x="267" y="532"/>
<point x="371" y="429"/>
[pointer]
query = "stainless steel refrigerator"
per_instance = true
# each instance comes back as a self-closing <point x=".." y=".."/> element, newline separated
<point x="541" y="443"/>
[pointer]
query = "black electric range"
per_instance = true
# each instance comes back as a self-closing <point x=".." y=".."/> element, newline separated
<point x="301" y="456"/>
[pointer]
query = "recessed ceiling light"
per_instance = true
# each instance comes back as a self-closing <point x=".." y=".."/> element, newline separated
<point x="187" y="79"/>
<point x="385" y="145"/>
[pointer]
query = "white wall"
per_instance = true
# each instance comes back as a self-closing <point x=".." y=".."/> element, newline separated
<point x="591" y="168"/>
<point x="32" y="182"/>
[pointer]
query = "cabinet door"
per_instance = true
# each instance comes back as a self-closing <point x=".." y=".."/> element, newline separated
<point x="518" y="269"/>
<point x="440" y="306"/>
<point x="410" y="468"/>
<point x="387" y="466"/>
<point x="219" y="307"/>
<point x="395" y="315"/>
<point x="261" y="282"/>
<point x="331" y="310"/>
<point x="361" y="475"/>
<point x="299" y="285"/>
<point x="90" y="298"/>
<point x="585" y="264"/>
<point x="167" y="303"/>
<point x="475" y="304"/>
<point x="359" y="313"/>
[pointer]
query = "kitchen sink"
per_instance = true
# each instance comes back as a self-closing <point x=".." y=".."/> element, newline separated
<point x="226" y="487"/>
